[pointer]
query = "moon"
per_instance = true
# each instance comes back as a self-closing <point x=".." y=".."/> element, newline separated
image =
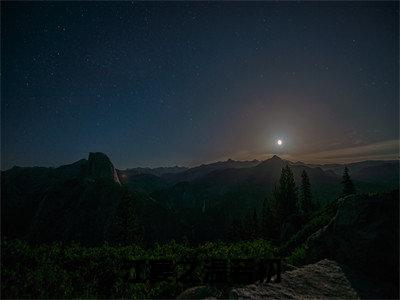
<point x="279" y="142"/>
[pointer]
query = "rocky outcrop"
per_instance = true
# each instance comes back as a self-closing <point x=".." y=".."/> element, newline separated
<point x="355" y="256"/>
<point x="363" y="235"/>
<point x="100" y="166"/>
<point x="202" y="292"/>
<point x="321" y="280"/>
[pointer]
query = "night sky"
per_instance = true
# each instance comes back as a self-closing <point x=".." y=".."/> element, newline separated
<point x="164" y="83"/>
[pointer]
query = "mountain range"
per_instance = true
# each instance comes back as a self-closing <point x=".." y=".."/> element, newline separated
<point x="79" y="201"/>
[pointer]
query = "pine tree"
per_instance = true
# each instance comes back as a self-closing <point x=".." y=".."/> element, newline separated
<point x="305" y="194"/>
<point x="286" y="195"/>
<point x="267" y="221"/>
<point x="125" y="228"/>
<point x="348" y="186"/>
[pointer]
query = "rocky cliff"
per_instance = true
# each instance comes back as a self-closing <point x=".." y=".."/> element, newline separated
<point x="100" y="166"/>
<point x="363" y="235"/>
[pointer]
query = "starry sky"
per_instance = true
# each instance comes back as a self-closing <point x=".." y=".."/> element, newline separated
<point x="168" y="83"/>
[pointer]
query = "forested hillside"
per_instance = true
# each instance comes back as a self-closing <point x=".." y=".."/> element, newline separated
<point x="88" y="217"/>
<point x="84" y="201"/>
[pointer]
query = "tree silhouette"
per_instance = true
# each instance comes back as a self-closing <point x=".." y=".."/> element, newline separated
<point x="348" y="186"/>
<point x="305" y="194"/>
<point x="286" y="195"/>
<point x="268" y="221"/>
<point x="126" y="228"/>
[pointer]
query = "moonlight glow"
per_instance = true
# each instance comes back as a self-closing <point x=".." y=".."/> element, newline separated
<point x="159" y="86"/>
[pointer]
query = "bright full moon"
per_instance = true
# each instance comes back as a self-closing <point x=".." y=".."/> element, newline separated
<point x="279" y="142"/>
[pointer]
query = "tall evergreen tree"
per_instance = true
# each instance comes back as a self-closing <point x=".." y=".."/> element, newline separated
<point x="267" y="221"/>
<point x="286" y="195"/>
<point x="126" y="228"/>
<point x="348" y="186"/>
<point x="305" y="194"/>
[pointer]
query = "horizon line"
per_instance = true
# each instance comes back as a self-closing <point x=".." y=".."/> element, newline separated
<point x="270" y="156"/>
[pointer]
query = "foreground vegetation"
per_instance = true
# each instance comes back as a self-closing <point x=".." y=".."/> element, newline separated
<point x="96" y="270"/>
<point x="74" y="271"/>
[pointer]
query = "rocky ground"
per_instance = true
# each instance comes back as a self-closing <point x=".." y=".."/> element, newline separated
<point x="321" y="280"/>
<point x="355" y="256"/>
<point x="364" y="237"/>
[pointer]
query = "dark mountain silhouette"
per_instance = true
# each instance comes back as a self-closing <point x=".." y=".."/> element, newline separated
<point x="268" y="172"/>
<point x="99" y="166"/>
<point x="245" y="186"/>
<point x="200" y="171"/>
<point x="91" y="203"/>
<point x="369" y="175"/>
<point x="78" y="201"/>
<point x="384" y="172"/>
<point x="45" y="204"/>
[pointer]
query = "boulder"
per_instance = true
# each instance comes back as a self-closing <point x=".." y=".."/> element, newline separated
<point x="201" y="292"/>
